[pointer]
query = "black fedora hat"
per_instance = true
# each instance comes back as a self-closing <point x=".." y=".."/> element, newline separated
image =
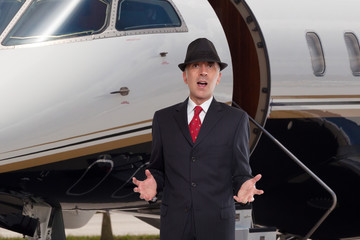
<point x="201" y="50"/>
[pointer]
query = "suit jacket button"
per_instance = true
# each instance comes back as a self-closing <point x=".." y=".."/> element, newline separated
<point x="193" y="159"/>
<point x="193" y="184"/>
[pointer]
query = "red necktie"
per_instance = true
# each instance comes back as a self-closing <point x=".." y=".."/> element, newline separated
<point x="195" y="123"/>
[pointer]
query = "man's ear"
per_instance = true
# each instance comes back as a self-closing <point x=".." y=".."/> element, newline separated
<point x="184" y="77"/>
<point x="219" y="78"/>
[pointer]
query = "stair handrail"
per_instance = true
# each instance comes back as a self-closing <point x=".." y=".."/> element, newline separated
<point x="306" y="169"/>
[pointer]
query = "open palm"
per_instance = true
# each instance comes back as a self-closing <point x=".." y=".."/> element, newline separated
<point x="248" y="190"/>
<point x="146" y="188"/>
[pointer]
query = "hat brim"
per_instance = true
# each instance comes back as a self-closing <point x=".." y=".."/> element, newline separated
<point x="182" y="66"/>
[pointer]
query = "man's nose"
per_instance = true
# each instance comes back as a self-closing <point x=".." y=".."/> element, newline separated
<point x="203" y="69"/>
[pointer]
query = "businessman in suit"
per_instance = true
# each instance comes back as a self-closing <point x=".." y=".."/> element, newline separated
<point x="200" y="156"/>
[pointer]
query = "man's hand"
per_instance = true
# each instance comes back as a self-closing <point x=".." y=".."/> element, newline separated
<point x="248" y="190"/>
<point x="146" y="188"/>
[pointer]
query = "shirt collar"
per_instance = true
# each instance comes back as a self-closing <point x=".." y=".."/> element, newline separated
<point x="205" y="106"/>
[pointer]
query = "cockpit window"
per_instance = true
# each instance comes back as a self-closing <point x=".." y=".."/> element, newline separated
<point x="47" y="20"/>
<point x="144" y="14"/>
<point x="8" y="9"/>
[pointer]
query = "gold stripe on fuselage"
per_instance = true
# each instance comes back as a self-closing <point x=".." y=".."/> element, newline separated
<point x="315" y="106"/>
<point x="315" y="96"/>
<point x="314" y="113"/>
<point x="83" y="135"/>
<point x="57" y="157"/>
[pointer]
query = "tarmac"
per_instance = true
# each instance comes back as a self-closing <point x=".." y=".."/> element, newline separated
<point x="121" y="224"/>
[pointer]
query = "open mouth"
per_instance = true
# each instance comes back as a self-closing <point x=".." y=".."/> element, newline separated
<point x="201" y="83"/>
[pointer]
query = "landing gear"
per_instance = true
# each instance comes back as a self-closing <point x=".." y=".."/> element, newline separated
<point x="49" y="217"/>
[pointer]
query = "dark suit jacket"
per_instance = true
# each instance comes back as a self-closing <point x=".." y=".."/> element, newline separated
<point x="202" y="176"/>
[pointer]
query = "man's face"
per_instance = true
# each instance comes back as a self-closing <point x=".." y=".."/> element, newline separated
<point x="202" y="77"/>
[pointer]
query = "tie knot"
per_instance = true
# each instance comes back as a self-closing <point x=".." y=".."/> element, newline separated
<point x="197" y="110"/>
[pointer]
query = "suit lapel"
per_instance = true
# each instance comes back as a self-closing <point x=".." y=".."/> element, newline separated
<point x="211" y="118"/>
<point x="181" y="119"/>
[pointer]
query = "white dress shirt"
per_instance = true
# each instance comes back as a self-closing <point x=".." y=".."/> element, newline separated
<point x="190" y="109"/>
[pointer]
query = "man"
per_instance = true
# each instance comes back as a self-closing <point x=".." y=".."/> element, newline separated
<point x="199" y="160"/>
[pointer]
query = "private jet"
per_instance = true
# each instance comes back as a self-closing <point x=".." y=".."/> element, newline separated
<point x="80" y="81"/>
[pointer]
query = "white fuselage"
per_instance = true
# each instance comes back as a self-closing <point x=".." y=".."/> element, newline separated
<point x="57" y="93"/>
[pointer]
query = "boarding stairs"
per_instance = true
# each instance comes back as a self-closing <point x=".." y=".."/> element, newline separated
<point x="242" y="223"/>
